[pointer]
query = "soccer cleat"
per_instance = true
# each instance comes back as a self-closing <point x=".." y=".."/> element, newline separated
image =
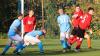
<point x="18" y="53"/>
<point x="15" y="52"/>
<point x="77" y="50"/>
<point x="42" y="53"/>
<point x="89" y="47"/>
<point x="64" y="50"/>
<point x="69" y="47"/>
<point x="2" y="53"/>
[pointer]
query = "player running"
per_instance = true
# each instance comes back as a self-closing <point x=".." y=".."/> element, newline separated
<point x="14" y="34"/>
<point x="83" y="25"/>
<point x="64" y="25"/>
<point x="75" y="22"/>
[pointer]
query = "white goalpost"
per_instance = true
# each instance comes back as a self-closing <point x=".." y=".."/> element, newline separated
<point x="22" y="11"/>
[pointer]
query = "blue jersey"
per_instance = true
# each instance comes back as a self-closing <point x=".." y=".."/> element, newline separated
<point x="63" y="22"/>
<point x="12" y="30"/>
<point x="34" y="33"/>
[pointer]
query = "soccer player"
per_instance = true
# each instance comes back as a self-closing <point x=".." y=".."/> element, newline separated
<point x="29" y="22"/>
<point x="64" y="25"/>
<point x="14" y="34"/>
<point x="83" y="25"/>
<point x="33" y="38"/>
<point x="75" y="22"/>
<point x="76" y="16"/>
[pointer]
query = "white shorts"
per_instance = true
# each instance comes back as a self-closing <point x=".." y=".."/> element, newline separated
<point x="64" y="35"/>
<point x="16" y="38"/>
<point x="30" y="40"/>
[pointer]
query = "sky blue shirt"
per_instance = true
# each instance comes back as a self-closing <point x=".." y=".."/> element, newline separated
<point x="34" y="33"/>
<point x="12" y="30"/>
<point x="64" y="22"/>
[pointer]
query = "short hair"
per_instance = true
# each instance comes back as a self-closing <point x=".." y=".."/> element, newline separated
<point x="30" y="10"/>
<point x="20" y="14"/>
<point x="77" y="5"/>
<point x="90" y="8"/>
<point x="61" y="9"/>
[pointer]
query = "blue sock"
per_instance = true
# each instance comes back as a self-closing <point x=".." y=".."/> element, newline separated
<point x="6" y="48"/>
<point x="63" y="43"/>
<point x="22" y="47"/>
<point x="19" y="46"/>
<point x="40" y="46"/>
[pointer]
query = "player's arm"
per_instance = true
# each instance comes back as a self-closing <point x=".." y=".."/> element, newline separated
<point x="18" y="32"/>
<point x="16" y="27"/>
<point x="90" y="30"/>
<point x="37" y="36"/>
<point x="71" y="20"/>
<point x="35" y="25"/>
<point x="75" y="16"/>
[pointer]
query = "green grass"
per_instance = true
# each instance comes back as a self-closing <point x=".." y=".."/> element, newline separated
<point x="53" y="48"/>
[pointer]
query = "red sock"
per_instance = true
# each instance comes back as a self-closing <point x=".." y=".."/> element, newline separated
<point x="79" y="42"/>
<point x="74" y="40"/>
<point x="71" y="40"/>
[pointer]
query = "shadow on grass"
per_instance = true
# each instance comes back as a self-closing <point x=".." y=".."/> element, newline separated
<point x="52" y="52"/>
<point x="57" y="52"/>
<point x="89" y="50"/>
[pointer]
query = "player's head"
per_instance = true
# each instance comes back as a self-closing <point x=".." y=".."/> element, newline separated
<point x="77" y="8"/>
<point x="31" y="13"/>
<point x="91" y="10"/>
<point x="61" y="11"/>
<point x="20" y="16"/>
<point x="43" y="30"/>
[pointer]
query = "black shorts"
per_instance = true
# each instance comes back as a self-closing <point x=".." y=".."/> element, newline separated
<point x="78" y="32"/>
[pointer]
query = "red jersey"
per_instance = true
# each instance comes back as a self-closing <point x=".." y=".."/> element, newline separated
<point x="76" y="20"/>
<point x="85" y="21"/>
<point x="29" y="23"/>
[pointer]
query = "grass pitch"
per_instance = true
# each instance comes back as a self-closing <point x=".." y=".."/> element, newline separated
<point x="52" y="47"/>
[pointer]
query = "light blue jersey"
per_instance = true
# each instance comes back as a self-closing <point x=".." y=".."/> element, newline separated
<point x="12" y="31"/>
<point x="34" y="33"/>
<point x="63" y="22"/>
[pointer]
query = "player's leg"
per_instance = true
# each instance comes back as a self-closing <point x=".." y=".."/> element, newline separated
<point x="68" y="37"/>
<point x="74" y="39"/>
<point x="63" y="41"/>
<point x="73" y="36"/>
<point x="40" y="45"/>
<point x="79" y="42"/>
<point x="7" y="47"/>
<point x="26" y="40"/>
<point x="88" y="40"/>
<point x="26" y="43"/>
<point x="80" y="34"/>
<point x="20" y="43"/>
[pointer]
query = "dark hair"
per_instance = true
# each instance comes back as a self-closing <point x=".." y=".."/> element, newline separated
<point x="77" y="5"/>
<point x="30" y="10"/>
<point x="20" y="14"/>
<point x="90" y="8"/>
